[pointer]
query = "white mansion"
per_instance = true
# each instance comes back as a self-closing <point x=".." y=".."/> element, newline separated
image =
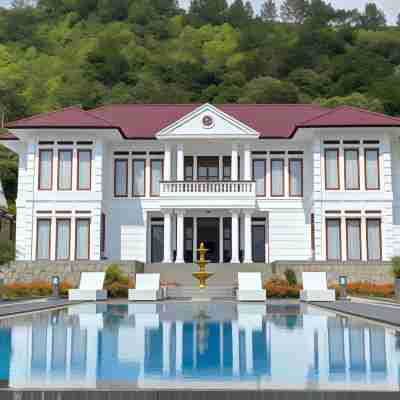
<point x="256" y="183"/>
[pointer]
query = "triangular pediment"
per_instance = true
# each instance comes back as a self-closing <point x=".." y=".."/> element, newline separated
<point x="207" y="121"/>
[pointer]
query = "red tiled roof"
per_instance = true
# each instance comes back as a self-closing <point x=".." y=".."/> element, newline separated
<point x="143" y="121"/>
<point x="4" y="135"/>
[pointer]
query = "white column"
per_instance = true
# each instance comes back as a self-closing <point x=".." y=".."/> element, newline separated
<point x="167" y="162"/>
<point x="179" y="236"/>
<point x="235" y="237"/>
<point x="221" y="239"/>
<point x="167" y="237"/>
<point x="247" y="163"/>
<point x="248" y="257"/>
<point x="180" y="163"/>
<point x="234" y="163"/>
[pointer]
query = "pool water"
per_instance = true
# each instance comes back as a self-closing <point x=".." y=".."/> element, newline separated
<point x="197" y="346"/>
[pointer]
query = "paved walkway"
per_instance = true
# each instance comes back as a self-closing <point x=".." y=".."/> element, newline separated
<point x="385" y="313"/>
<point x="19" y="307"/>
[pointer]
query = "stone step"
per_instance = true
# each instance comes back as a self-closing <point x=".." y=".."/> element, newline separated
<point x="193" y="292"/>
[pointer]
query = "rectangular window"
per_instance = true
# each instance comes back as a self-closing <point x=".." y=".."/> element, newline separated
<point x="277" y="177"/>
<point x="63" y="236"/>
<point x="351" y="169"/>
<point x="120" y="178"/>
<point x="82" y="246"/>
<point x="372" y="169"/>
<point x="296" y="177"/>
<point x="332" y="169"/>
<point x="188" y="168"/>
<point x="374" y="241"/>
<point x="353" y="229"/>
<point x="259" y="176"/>
<point x="84" y="169"/>
<point x="333" y="240"/>
<point x="138" y="177"/>
<point x="156" y="176"/>
<point x="227" y="169"/>
<point x="45" y="169"/>
<point x="65" y="170"/>
<point x="43" y="238"/>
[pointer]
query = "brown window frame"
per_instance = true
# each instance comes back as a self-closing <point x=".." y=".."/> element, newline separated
<point x="345" y="168"/>
<point x="76" y="236"/>
<point x="133" y="177"/>
<point x="347" y="238"/>
<point x="282" y="160"/>
<point x="365" y="168"/>
<point x="337" y="187"/>
<point x="124" y="160"/>
<point x="290" y="177"/>
<point x="58" y="220"/>
<point x="90" y="171"/>
<point x="40" y="169"/>
<point x="367" y="220"/>
<point x="151" y="175"/>
<point x="340" y="239"/>
<point x="58" y="169"/>
<point x="37" y="236"/>
<point x="264" y="161"/>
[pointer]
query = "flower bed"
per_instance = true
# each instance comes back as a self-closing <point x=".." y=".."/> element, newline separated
<point x="18" y="290"/>
<point x="385" y="290"/>
<point x="280" y="288"/>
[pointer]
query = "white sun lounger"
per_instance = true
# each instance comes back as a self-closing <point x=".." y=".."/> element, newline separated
<point x="90" y="288"/>
<point x="250" y="287"/>
<point x="147" y="288"/>
<point x="315" y="287"/>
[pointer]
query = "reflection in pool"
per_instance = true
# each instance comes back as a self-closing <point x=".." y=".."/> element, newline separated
<point x="197" y="345"/>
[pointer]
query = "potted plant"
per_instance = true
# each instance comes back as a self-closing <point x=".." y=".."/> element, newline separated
<point x="396" y="273"/>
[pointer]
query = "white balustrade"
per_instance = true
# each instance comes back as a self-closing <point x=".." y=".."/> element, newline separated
<point x="244" y="187"/>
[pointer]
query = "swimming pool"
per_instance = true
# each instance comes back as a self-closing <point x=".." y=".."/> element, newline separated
<point x="197" y="346"/>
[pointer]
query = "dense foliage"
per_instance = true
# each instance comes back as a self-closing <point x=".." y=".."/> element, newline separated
<point x="56" y="53"/>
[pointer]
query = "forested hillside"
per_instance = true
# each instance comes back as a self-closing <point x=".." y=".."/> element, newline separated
<point x="56" y="53"/>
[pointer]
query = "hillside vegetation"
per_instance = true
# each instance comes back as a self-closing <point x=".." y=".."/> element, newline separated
<point x="56" y="53"/>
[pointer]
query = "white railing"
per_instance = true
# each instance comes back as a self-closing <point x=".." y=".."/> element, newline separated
<point x="244" y="187"/>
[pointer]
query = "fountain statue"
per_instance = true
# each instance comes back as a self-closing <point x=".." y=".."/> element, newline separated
<point x="202" y="275"/>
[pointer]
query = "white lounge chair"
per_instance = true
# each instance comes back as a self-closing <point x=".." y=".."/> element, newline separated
<point x="147" y="288"/>
<point x="250" y="287"/>
<point x="315" y="287"/>
<point x="90" y="288"/>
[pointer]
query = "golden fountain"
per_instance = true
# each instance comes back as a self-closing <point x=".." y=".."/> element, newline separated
<point x="202" y="275"/>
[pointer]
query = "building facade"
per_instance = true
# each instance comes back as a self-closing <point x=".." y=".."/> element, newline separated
<point x="256" y="183"/>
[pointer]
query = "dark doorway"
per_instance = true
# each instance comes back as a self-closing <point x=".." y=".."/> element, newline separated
<point x="157" y="243"/>
<point x="208" y="232"/>
<point x="258" y="236"/>
<point x="188" y="241"/>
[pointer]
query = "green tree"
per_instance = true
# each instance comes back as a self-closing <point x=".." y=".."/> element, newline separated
<point x="354" y="100"/>
<point x="294" y="11"/>
<point x="208" y="11"/>
<point x="372" y="18"/>
<point x="269" y="90"/>
<point x="269" y="11"/>
<point x="239" y="13"/>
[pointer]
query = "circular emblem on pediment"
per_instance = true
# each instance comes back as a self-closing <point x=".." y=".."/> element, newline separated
<point x="208" y="121"/>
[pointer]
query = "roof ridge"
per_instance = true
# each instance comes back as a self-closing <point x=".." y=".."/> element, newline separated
<point x="200" y="104"/>
<point x="43" y="114"/>
<point x="365" y="111"/>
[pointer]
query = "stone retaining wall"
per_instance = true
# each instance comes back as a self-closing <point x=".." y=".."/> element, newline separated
<point x="28" y="271"/>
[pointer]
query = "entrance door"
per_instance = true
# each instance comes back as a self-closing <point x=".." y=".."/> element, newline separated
<point x="258" y="235"/>
<point x="208" y="232"/>
<point x="157" y="243"/>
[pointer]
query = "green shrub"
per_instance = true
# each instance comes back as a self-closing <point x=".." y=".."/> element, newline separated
<point x="396" y="266"/>
<point x="7" y="251"/>
<point x="115" y="275"/>
<point x="291" y="277"/>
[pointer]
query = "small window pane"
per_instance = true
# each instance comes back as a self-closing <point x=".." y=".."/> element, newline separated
<point x="353" y="239"/>
<point x="82" y="239"/>
<point x="65" y="170"/>
<point x="138" y="167"/>
<point x="156" y="176"/>
<point x="374" y="244"/>
<point x="63" y="239"/>
<point x="259" y="176"/>
<point x="121" y="177"/>
<point x="43" y="239"/>
<point x="296" y="177"/>
<point x="277" y="178"/>
<point x="188" y="168"/>
<point x="45" y="169"/>
<point x="372" y="169"/>
<point x="333" y="245"/>
<point x="352" y="173"/>
<point x="332" y="169"/>
<point x="84" y="169"/>
<point x="227" y="170"/>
